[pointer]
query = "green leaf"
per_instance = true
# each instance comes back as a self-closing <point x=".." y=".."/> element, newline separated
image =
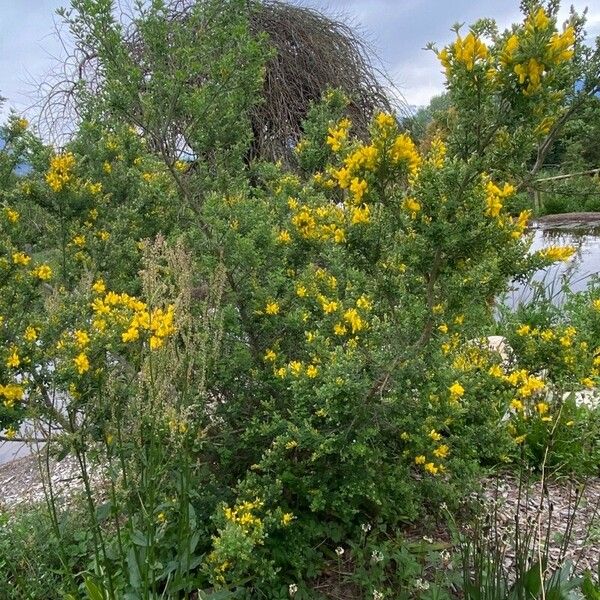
<point x="93" y="591"/>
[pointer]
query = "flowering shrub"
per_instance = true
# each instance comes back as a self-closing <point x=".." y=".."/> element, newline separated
<point x="296" y="353"/>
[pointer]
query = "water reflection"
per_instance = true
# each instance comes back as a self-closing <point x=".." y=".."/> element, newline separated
<point x="576" y="272"/>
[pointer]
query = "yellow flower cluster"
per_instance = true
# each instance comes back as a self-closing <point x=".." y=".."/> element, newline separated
<point x="21" y="259"/>
<point x="520" y="223"/>
<point x="440" y="451"/>
<point x="469" y="52"/>
<point x="537" y="21"/>
<point x="494" y="197"/>
<point x="509" y="50"/>
<point x="560" y="46"/>
<point x="337" y="135"/>
<point x="531" y="70"/>
<point x="11" y="214"/>
<point x="437" y="153"/>
<point x="42" y="272"/>
<point x="404" y="151"/>
<point x="159" y="323"/>
<point x="531" y="73"/>
<point x="412" y="206"/>
<point x="60" y="171"/>
<point x="324" y="223"/>
<point x="557" y="253"/>
<point x="12" y="393"/>
<point x="243" y="515"/>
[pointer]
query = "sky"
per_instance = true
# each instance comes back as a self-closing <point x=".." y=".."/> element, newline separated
<point x="397" y="31"/>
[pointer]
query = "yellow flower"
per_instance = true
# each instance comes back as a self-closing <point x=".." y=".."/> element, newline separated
<point x="352" y="317"/>
<point x="431" y="468"/>
<point x="329" y="306"/>
<point x="411" y="206"/>
<point x="312" y="371"/>
<point x="520" y="439"/>
<point x="103" y="235"/>
<point x="21" y="124"/>
<point x="12" y="215"/>
<point x="557" y="253"/>
<point x="284" y="237"/>
<point x="339" y="329"/>
<point x="468" y="51"/>
<point x="131" y="335"/>
<point x="443" y="328"/>
<point x="434" y="435"/>
<point x="99" y="287"/>
<point x="60" y="171"/>
<point x="286" y="519"/>
<point x="291" y="445"/>
<point x="13" y="360"/>
<point x="82" y="363"/>
<point x="531" y="385"/>
<point x="20" y="258"/>
<point x="404" y="151"/>
<point x="272" y="308"/>
<point x="523" y="330"/>
<point x="385" y="120"/>
<point x="442" y="451"/>
<point x="358" y="188"/>
<point x="494" y="197"/>
<point x="30" y="334"/>
<point x="360" y="214"/>
<point x="517" y="405"/>
<point x="181" y="166"/>
<point x="156" y="342"/>
<point x="420" y="460"/>
<point x="547" y="335"/>
<point x="295" y="367"/>
<point x="43" y="272"/>
<point x="542" y="408"/>
<point x="107" y="167"/>
<point x="301" y="291"/>
<point x="82" y="339"/>
<point x="338" y="134"/>
<point x="364" y="303"/>
<point x="10" y="433"/>
<point x="456" y="390"/>
<point x="539" y="19"/>
<point x="270" y="355"/>
<point x="79" y="241"/>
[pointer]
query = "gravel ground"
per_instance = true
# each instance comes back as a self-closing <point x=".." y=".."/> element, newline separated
<point x="557" y="507"/>
<point x="21" y="483"/>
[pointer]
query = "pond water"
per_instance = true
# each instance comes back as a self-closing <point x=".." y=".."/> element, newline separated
<point x="576" y="272"/>
<point x="583" y="233"/>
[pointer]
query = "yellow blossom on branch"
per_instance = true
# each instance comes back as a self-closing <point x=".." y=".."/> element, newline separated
<point x="82" y="363"/>
<point x="60" y="171"/>
<point x="272" y="308"/>
<point x="557" y="253"/>
<point x="337" y="135"/>
<point x="20" y="258"/>
<point x="43" y="272"/>
<point x="456" y="390"/>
